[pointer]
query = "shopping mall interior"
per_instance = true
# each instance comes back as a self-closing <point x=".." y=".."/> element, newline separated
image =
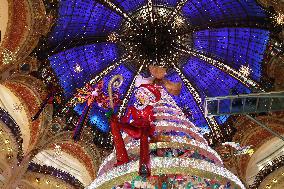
<point x="132" y="94"/>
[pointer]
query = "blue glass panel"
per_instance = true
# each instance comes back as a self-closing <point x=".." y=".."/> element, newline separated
<point x="186" y="100"/>
<point x="169" y="3"/>
<point x="199" y="12"/>
<point x="236" y="46"/>
<point x="211" y="82"/>
<point x="79" y="18"/>
<point x="130" y="5"/>
<point x="91" y="58"/>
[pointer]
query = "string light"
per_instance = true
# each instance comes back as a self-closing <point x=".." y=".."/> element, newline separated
<point x="9" y="56"/>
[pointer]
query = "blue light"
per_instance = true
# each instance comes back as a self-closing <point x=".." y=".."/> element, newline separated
<point x="79" y="18"/>
<point x="91" y="58"/>
<point x="169" y="3"/>
<point x="130" y="5"/>
<point x="211" y="82"/>
<point x="202" y="12"/>
<point x="185" y="99"/>
<point x="237" y="46"/>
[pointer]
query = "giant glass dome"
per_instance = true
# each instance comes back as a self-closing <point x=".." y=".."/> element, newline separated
<point x="214" y="47"/>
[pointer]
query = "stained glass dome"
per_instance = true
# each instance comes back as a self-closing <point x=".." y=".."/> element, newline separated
<point x="215" y="48"/>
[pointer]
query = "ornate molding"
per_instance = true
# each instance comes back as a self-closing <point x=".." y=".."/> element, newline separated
<point x="59" y="174"/>
<point x="266" y="170"/>
<point x="27" y="23"/>
<point x="278" y="5"/>
<point x="251" y="134"/>
<point x="15" y="130"/>
<point x="30" y="103"/>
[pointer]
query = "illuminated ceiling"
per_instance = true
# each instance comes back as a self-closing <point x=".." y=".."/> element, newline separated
<point x="229" y="31"/>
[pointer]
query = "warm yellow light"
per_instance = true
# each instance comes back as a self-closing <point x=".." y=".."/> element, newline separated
<point x="274" y="180"/>
<point x="7" y="141"/>
<point x="47" y="181"/>
<point x="268" y="186"/>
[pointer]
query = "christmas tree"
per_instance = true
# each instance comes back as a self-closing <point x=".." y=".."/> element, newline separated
<point x="180" y="157"/>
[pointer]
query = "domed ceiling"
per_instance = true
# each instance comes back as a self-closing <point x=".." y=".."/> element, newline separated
<point x="214" y="47"/>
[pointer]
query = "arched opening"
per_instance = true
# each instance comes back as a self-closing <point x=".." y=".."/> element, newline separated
<point x="64" y="162"/>
<point x="12" y="104"/>
<point x="265" y="154"/>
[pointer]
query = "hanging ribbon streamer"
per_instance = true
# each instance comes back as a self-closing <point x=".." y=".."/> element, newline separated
<point x="48" y="100"/>
<point x="81" y="123"/>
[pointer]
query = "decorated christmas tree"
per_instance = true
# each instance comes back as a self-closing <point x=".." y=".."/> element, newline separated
<point x="179" y="157"/>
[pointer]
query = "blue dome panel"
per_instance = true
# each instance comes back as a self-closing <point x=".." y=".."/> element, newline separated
<point x="237" y="46"/>
<point x="130" y="5"/>
<point x="212" y="82"/>
<point x="91" y="58"/>
<point x="168" y="3"/>
<point x="79" y="18"/>
<point x="200" y="12"/>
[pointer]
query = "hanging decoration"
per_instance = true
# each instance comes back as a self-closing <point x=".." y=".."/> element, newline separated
<point x="240" y="150"/>
<point x="53" y="94"/>
<point x="278" y="18"/>
<point x="78" y="68"/>
<point x="159" y="74"/>
<point x="245" y="70"/>
<point x="90" y="94"/>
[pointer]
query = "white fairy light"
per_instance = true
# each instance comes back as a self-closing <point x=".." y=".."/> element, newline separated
<point x="161" y="163"/>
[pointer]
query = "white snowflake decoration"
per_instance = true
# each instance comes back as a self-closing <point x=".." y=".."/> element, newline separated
<point x="77" y="68"/>
<point x="245" y="70"/>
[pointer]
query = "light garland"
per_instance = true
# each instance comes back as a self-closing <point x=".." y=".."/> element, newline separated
<point x="160" y="164"/>
<point x="189" y="86"/>
<point x="225" y="68"/>
<point x="9" y="56"/>
<point x="182" y="140"/>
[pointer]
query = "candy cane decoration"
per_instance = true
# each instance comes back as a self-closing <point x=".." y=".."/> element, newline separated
<point x="115" y="82"/>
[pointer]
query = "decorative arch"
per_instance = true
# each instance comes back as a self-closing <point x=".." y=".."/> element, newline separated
<point x="266" y="153"/>
<point x="26" y="22"/>
<point x="250" y="133"/>
<point x="65" y="162"/>
<point x="10" y="103"/>
<point x="30" y="103"/>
